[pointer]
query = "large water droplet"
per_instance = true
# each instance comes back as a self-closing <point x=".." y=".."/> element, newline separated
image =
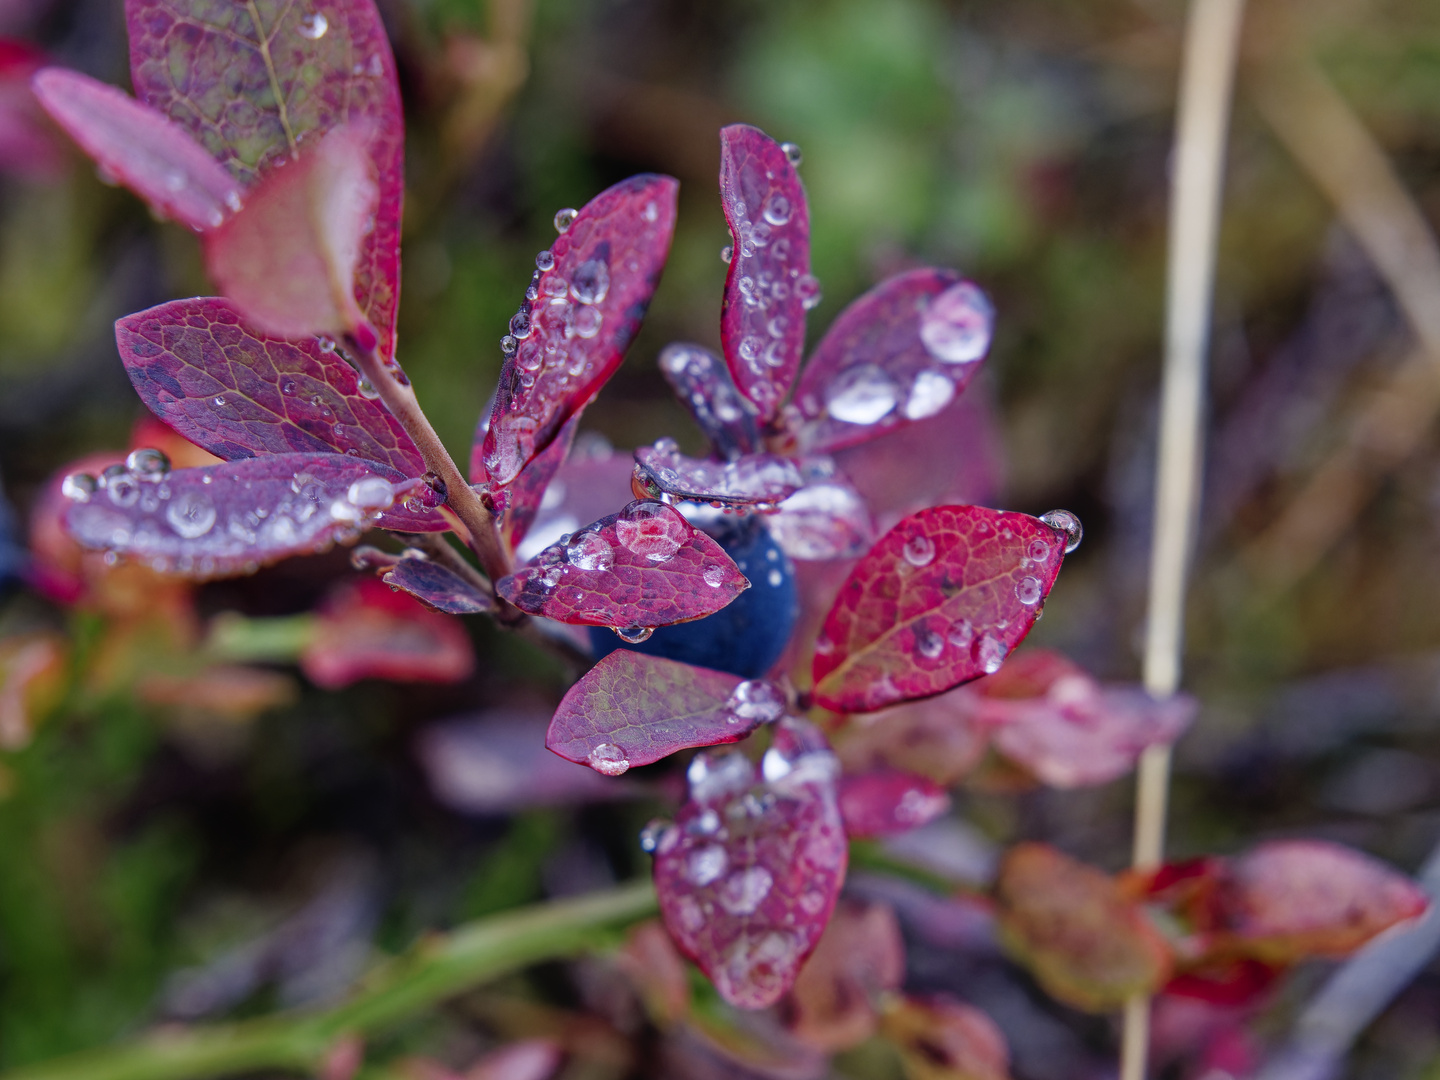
<point x="589" y="551"/>
<point x="313" y="26"/>
<point x="862" y="394"/>
<point x="633" y="635"/>
<point x="587" y="323"/>
<point x="792" y="153"/>
<point x="591" y="282"/>
<point x="756" y="699"/>
<point x="79" y="486"/>
<point x="929" y="393"/>
<point x="778" y="209"/>
<point x="928" y="643"/>
<point x="1068" y="524"/>
<point x="609" y="759"/>
<point x="565" y="218"/>
<point x="919" y="550"/>
<point x="956" y="327"/>
<point x="191" y="515"/>
<point x="714" y="576"/>
<point x="545" y="260"/>
<point x="371" y="493"/>
<point x="651" y="530"/>
<point x="713" y="778"/>
<point x="727" y="253"/>
<point x="991" y="653"/>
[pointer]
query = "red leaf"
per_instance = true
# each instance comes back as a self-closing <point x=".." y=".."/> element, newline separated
<point x="287" y="259"/>
<point x="749" y="481"/>
<point x="940" y="738"/>
<point x="825" y="519"/>
<point x="942" y="598"/>
<point x="704" y="386"/>
<point x="140" y="148"/>
<point x="632" y="709"/>
<point x="943" y="1039"/>
<point x="229" y="519"/>
<point x="643" y="567"/>
<point x="254" y="95"/>
<point x="368" y="631"/>
<point x="437" y="586"/>
<point x="902" y="352"/>
<point x="1290" y="899"/>
<point x="769" y="287"/>
<point x="860" y="957"/>
<point x="521" y="501"/>
<point x="588" y="305"/>
<point x="1086" y="943"/>
<point x="592" y="482"/>
<point x="1029" y="675"/>
<point x="884" y="803"/>
<point x="29" y="146"/>
<point x="749" y="872"/>
<point x="1230" y="981"/>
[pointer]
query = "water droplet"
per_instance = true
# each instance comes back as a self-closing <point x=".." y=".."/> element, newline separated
<point x="590" y="282"/>
<point x="313" y="26"/>
<point x="711" y="778"/>
<point x="658" y="836"/>
<point x="1067" y="523"/>
<point x="928" y="643"/>
<point x="609" y="759"/>
<point x="652" y="530"/>
<point x="745" y="891"/>
<point x="929" y="393"/>
<point x="371" y="493"/>
<point x="1027" y="591"/>
<point x="633" y="635"/>
<point x="368" y="391"/>
<point x="122" y="487"/>
<point x="1038" y="551"/>
<point x="520" y="326"/>
<point x="961" y="633"/>
<point x="175" y="181"/>
<point x="508" y="345"/>
<point x="191" y="515"/>
<point x="79" y="486"/>
<point x="148" y="464"/>
<point x="991" y="653"/>
<point x="556" y="287"/>
<point x="220" y="401"/>
<point x="288" y="388"/>
<point x="861" y="394"/>
<point x="956" y="327"/>
<point x="545" y="260"/>
<point x="778" y="209"/>
<point x="807" y="289"/>
<point x="714" y="576"/>
<point x="589" y="551"/>
<point x="727" y="253"/>
<point x="565" y="218"/>
<point x="792" y="153"/>
<point x="919" y="550"/>
<point x="652" y="212"/>
<point x="587" y="323"/>
<point x="775" y="765"/>
<point x="706" y="864"/>
<point x="756" y="699"/>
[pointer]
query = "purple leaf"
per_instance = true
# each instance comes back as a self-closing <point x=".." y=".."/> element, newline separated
<point x="769" y="286"/>
<point x="902" y="352"/>
<point x="942" y="598"/>
<point x="441" y="588"/>
<point x="631" y="709"/>
<point x="253" y="93"/>
<point x="140" y="148"/>
<point x="704" y="386"/>
<point x="643" y="567"/>
<point x="825" y="519"/>
<point x="589" y="302"/>
<point x="749" y="872"/>
<point x="594" y="480"/>
<point x="885" y="802"/>
<point x="229" y="519"/>
<point x="521" y="501"/>
<point x="749" y="481"/>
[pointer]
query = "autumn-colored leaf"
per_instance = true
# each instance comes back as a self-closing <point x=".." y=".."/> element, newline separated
<point x="657" y="970"/>
<point x="632" y="709"/>
<point x="1289" y="899"/>
<point x="520" y="502"/>
<point x="29" y="146"/>
<point x="769" y="287"/>
<point x="32" y="679"/>
<point x="258" y="83"/>
<point x="942" y="598"/>
<point x="140" y="148"/>
<point x="1085" y="941"/>
<point x="751" y="480"/>
<point x="900" y="353"/>
<point x="368" y="631"/>
<point x="228" y="519"/>
<point x="860" y="957"/>
<point x="749" y="872"/>
<point x="438" y="586"/>
<point x="643" y="567"/>
<point x="940" y="1038"/>
<point x="885" y="802"/>
<point x="590" y="296"/>
<point x="287" y="259"/>
<point x="1028" y="675"/>
<point x="222" y="690"/>
<point x="825" y="519"/>
<point x="593" y="481"/>
<point x="703" y="385"/>
<point x="940" y="738"/>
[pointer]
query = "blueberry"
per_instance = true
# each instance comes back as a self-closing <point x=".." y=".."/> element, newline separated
<point x="746" y="637"/>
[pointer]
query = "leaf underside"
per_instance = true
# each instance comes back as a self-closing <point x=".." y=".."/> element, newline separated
<point x="751" y="480"/>
<point x="439" y="587"/>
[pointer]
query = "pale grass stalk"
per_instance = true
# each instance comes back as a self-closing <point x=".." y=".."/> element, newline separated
<point x="1206" y="79"/>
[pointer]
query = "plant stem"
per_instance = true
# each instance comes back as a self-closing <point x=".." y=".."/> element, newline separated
<point x="1207" y="75"/>
<point x="437" y="968"/>
<point x="460" y="496"/>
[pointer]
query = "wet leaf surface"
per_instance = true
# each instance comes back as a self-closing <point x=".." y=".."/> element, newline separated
<point x="1086" y="942"/>
<point x="437" y="586"/>
<point x="941" y="599"/>
<point x="900" y="353"/>
<point x="886" y="802"/>
<point x="138" y="146"/>
<point x="769" y="286"/>
<point x="861" y="955"/>
<point x="752" y="480"/>
<point x="703" y="385"/>
<point x="944" y="1039"/>
<point x="593" y="481"/>
<point x="229" y="519"/>
<point x="214" y="68"/>
<point x="366" y="630"/>
<point x="589" y="303"/>
<point x="632" y="709"/>
<point x="750" y="870"/>
<point x="825" y="519"/>
<point x="643" y="567"/>
<point x="521" y="501"/>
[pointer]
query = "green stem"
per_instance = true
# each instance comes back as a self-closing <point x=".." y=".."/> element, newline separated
<point x="437" y="968"/>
